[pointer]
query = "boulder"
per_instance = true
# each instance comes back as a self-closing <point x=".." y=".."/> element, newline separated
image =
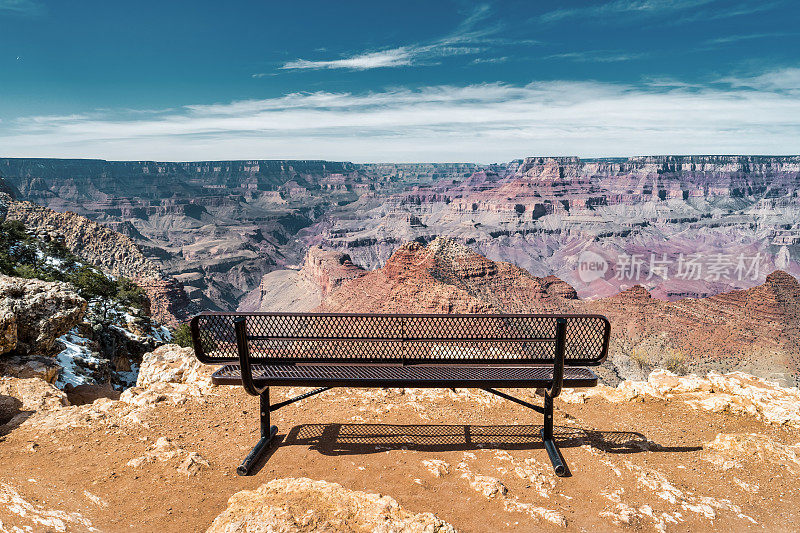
<point x="42" y="311"/>
<point x="301" y="504"/>
<point x="21" y="397"/>
<point x="30" y="366"/>
<point x="171" y="363"/>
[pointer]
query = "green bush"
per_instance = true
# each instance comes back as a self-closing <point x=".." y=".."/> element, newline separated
<point x="91" y="283"/>
<point x="130" y="294"/>
<point x="182" y="335"/>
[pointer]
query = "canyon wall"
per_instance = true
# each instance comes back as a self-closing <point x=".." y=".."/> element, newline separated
<point x="219" y="227"/>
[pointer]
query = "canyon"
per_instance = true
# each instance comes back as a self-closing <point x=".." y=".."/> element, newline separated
<point x="681" y="226"/>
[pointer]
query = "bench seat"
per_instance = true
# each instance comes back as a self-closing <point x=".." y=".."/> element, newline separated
<point x="416" y="376"/>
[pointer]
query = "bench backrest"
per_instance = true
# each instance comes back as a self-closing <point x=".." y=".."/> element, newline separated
<point x="288" y="338"/>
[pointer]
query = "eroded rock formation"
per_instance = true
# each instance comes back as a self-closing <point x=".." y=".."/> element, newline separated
<point x="34" y="313"/>
<point x="447" y="277"/>
<point x="754" y="330"/>
<point x="111" y="251"/>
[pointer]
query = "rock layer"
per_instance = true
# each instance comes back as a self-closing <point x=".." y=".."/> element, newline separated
<point x="447" y="277"/>
<point x="110" y="251"/>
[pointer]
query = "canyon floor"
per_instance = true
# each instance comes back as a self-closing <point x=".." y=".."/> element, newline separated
<point x="473" y="460"/>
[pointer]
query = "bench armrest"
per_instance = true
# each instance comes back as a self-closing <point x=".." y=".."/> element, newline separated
<point x="558" y="364"/>
<point x="240" y="327"/>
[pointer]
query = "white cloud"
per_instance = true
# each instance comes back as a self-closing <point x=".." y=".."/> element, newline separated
<point x="748" y="37"/>
<point x="479" y="60"/>
<point x="598" y="56"/>
<point x="785" y="79"/>
<point x="467" y="39"/>
<point x="396" y="57"/>
<point x="486" y="122"/>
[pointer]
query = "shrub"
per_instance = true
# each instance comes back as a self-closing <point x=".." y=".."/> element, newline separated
<point x="182" y="335"/>
<point x="640" y="358"/>
<point x="130" y="294"/>
<point x="91" y="283"/>
<point x="676" y="362"/>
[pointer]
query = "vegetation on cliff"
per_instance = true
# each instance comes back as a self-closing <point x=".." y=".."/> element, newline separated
<point x="27" y="255"/>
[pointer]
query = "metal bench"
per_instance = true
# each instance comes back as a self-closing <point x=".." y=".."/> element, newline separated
<point x="325" y="350"/>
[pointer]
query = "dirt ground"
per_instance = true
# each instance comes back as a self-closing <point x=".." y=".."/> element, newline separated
<point x="635" y="466"/>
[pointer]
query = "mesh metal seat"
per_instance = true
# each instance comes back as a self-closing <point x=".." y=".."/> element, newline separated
<point x="405" y="376"/>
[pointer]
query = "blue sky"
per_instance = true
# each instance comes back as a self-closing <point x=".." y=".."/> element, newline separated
<point x="410" y="81"/>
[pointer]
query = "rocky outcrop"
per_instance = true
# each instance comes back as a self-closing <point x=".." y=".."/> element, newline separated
<point x="301" y="504"/>
<point x="328" y="269"/>
<point x="30" y="366"/>
<point x="20" y="397"/>
<point x="735" y="392"/>
<point x="448" y="277"/>
<point x="169" y="373"/>
<point x="171" y="363"/>
<point x="755" y="330"/>
<point x="169" y="303"/>
<point x="110" y="251"/>
<point x="303" y="290"/>
<point x="727" y="450"/>
<point x="34" y="313"/>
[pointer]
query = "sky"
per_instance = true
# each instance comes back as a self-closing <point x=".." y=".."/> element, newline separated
<point x="401" y="81"/>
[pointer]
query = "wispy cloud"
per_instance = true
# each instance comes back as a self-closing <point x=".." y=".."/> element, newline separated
<point x="623" y="7"/>
<point x="22" y="7"/>
<point x="479" y="60"/>
<point x="469" y="38"/>
<point x="396" y="57"/>
<point x="712" y="13"/>
<point x="598" y="56"/>
<point x="781" y="80"/>
<point x="485" y="122"/>
<point x="749" y="37"/>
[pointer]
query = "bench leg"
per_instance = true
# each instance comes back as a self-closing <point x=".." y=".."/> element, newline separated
<point x="547" y="436"/>
<point x="267" y="434"/>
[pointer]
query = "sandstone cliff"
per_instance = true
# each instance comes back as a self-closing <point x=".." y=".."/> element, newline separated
<point x="169" y="303"/>
<point x="447" y="277"/>
<point x="755" y="330"/>
<point x="112" y="252"/>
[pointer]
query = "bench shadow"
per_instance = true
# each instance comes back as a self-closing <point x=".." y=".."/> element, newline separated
<point x="362" y="439"/>
<point x="358" y="439"/>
